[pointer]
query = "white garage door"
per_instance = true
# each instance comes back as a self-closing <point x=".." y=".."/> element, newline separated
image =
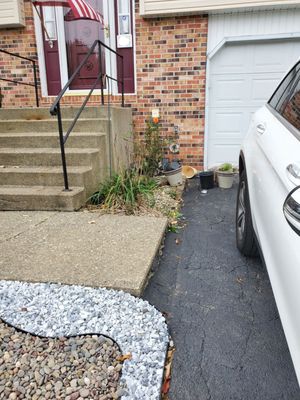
<point x="242" y="78"/>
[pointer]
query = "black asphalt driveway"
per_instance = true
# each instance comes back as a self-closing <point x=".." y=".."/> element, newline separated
<point x="221" y="310"/>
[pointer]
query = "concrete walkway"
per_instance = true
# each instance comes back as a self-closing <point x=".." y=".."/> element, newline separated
<point x="220" y="310"/>
<point x="79" y="248"/>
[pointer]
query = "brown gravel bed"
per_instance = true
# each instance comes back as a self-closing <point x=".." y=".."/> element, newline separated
<point x="36" y="368"/>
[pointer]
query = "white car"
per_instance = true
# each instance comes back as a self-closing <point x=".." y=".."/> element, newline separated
<point x="268" y="203"/>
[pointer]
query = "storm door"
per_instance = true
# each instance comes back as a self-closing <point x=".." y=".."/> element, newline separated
<point x="80" y="36"/>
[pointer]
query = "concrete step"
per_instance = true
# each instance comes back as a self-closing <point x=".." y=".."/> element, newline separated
<point x="50" y="125"/>
<point x="44" y="113"/>
<point x="49" y="156"/>
<point x="41" y="198"/>
<point x="50" y="139"/>
<point x="44" y="176"/>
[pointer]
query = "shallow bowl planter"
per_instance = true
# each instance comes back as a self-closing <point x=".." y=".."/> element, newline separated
<point x="225" y="179"/>
<point x="174" y="177"/>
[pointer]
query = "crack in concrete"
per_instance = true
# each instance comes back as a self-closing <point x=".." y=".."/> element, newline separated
<point x="26" y="230"/>
<point x="201" y="367"/>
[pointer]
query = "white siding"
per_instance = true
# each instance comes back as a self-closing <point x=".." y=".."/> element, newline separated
<point x="273" y="22"/>
<point x="11" y="13"/>
<point x="167" y="7"/>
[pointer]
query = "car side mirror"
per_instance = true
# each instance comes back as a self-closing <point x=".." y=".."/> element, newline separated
<point x="291" y="209"/>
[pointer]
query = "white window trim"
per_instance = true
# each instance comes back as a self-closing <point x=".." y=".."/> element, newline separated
<point x="40" y="52"/>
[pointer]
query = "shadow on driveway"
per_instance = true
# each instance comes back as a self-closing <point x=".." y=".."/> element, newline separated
<point x="221" y="310"/>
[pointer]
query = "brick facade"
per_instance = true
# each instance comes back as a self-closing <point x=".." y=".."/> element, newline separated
<point x="170" y="73"/>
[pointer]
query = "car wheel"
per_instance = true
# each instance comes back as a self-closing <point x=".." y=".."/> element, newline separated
<point x="245" y="236"/>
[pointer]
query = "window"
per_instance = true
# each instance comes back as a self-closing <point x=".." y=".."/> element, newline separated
<point x="282" y="93"/>
<point x="124" y="17"/>
<point x="286" y="99"/>
<point x="290" y="110"/>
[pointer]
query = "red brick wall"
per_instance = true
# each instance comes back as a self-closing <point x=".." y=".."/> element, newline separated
<point x="22" y="42"/>
<point x="170" y="69"/>
<point x="171" y="63"/>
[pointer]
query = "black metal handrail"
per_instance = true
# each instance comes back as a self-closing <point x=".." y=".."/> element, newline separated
<point x="35" y="84"/>
<point x="101" y="77"/>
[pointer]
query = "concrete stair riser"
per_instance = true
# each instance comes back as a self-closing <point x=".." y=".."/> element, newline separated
<point x="48" y="157"/>
<point x="41" y="198"/>
<point x="43" y="113"/>
<point x="31" y="176"/>
<point x="50" y="125"/>
<point x="31" y="140"/>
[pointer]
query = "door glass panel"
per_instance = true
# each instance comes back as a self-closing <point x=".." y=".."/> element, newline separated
<point x="124" y="17"/>
<point x="80" y="36"/>
<point x="50" y="22"/>
<point x="124" y="24"/>
<point x="123" y="6"/>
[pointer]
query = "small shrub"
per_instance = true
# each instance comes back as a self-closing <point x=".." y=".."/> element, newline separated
<point x="226" y="167"/>
<point x="149" y="150"/>
<point x="124" y="191"/>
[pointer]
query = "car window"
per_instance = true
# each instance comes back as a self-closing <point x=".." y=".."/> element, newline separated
<point x="290" y="108"/>
<point x="283" y="92"/>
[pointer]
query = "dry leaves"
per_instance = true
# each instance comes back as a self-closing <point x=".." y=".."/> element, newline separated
<point x="124" y="357"/>
<point x="167" y="375"/>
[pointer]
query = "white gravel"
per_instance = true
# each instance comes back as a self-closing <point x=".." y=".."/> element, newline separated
<point x="54" y="310"/>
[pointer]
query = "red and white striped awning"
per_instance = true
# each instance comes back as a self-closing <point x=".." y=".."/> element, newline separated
<point x="81" y="8"/>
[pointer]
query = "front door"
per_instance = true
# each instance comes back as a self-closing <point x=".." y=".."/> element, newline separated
<point x="80" y="36"/>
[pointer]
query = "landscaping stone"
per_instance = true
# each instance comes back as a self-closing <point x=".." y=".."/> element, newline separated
<point x="54" y="310"/>
<point x="25" y="372"/>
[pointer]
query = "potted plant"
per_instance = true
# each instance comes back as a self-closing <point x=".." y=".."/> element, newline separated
<point x="225" y="175"/>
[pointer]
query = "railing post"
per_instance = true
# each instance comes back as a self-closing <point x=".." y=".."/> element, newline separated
<point x="35" y="85"/>
<point x="62" y="147"/>
<point x="123" y="102"/>
<point x="101" y="72"/>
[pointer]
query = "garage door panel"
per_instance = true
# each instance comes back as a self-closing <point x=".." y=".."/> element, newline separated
<point x="274" y="58"/>
<point x="227" y="124"/>
<point x="262" y="88"/>
<point x="227" y="151"/>
<point x="232" y="60"/>
<point x="228" y="90"/>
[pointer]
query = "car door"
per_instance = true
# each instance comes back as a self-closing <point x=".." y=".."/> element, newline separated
<point x="273" y="157"/>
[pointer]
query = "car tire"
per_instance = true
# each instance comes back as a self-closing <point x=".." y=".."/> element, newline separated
<point x="245" y="236"/>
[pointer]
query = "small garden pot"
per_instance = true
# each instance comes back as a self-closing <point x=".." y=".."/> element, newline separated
<point x="225" y="179"/>
<point x="174" y="177"/>
<point x="188" y="172"/>
<point x="206" y="179"/>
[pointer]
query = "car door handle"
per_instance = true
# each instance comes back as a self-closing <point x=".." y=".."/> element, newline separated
<point x="260" y="128"/>
<point x="293" y="171"/>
